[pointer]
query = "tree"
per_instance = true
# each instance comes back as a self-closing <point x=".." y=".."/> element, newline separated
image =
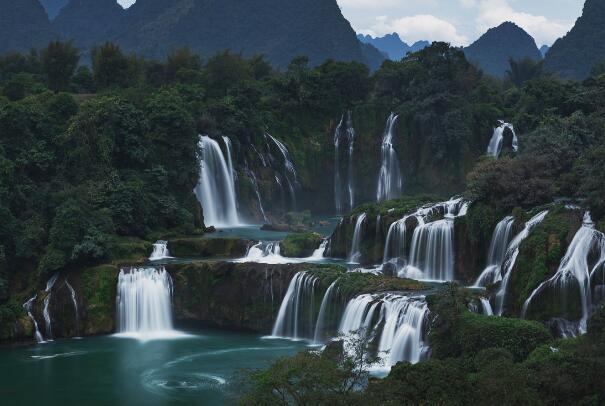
<point x="111" y="68"/>
<point x="523" y="70"/>
<point x="59" y="62"/>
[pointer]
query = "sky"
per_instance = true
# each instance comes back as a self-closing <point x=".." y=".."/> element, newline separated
<point x="459" y="22"/>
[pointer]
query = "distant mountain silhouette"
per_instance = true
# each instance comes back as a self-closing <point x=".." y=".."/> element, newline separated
<point x="23" y="25"/>
<point x="574" y="55"/>
<point x="279" y="29"/>
<point x="392" y="45"/>
<point x="493" y="50"/>
<point x="544" y="50"/>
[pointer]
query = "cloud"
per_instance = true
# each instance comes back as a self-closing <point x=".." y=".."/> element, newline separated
<point x="416" y="28"/>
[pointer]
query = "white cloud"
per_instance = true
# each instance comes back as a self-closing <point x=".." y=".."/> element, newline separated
<point x="416" y="28"/>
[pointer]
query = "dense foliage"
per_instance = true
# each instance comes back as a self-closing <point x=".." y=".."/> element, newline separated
<point x="475" y="360"/>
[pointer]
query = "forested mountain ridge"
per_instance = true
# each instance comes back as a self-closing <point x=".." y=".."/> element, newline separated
<point x="492" y="51"/>
<point x="574" y="55"/>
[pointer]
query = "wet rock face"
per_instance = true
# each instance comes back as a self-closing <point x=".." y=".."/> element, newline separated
<point x="227" y="295"/>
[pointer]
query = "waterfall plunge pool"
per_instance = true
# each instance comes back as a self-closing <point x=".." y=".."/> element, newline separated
<point x="194" y="370"/>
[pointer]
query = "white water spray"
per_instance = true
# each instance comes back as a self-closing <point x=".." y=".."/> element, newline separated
<point x="216" y="187"/>
<point x="495" y="145"/>
<point x="355" y="254"/>
<point x="160" y="251"/>
<point x="297" y="309"/>
<point x="390" y="181"/>
<point x="497" y="251"/>
<point x="143" y="303"/>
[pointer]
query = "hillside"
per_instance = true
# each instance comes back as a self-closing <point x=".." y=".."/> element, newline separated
<point x="492" y="51"/>
<point x="23" y="25"/>
<point x="573" y="56"/>
<point x="392" y="45"/>
<point x="89" y="22"/>
<point x="280" y="30"/>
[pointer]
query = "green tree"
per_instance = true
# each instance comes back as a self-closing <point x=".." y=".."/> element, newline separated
<point x="111" y="68"/>
<point x="59" y="62"/>
<point x="523" y="70"/>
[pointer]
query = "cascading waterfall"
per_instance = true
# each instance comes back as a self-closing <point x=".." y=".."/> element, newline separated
<point x="143" y="303"/>
<point x="355" y="254"/>
<point x="390" y="181"/>
<point x="28" y="308"/>
<point x="398" y="320"/>
<point x="295" y="318"/>
<point x="160" y="251"/>
<point x="431" y="255"/>
<point x="344" y="133"/>
<point x="216" y="187"/>
<point x="290" y="174"/>
<point x="584" y="257"/>
<point x="432" y="252"/>
<point x="324" y="312"/>
<point x="495" y="145"/>
<point x="46" y="310"/>
<point x="74" y="300"/>
<point x="486" y="306"/>
<point x="512" y="252"/>
<point x="254" y="181"/>
<point x="497" y="252"/>
<point x="269" y="252"/>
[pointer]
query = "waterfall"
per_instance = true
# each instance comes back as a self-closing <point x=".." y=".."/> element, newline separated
<point x="74" y="300"/>
<point x="431" y="255"/>
<point x="390" y="182"/>
<point x="584" y="257"/>
<point x="320" y="252"/>
<point x="28" y="308"/>
<point x="432" y="252"/>
<point x="355" y="254"/>
<point x="290" y="174"/>
<point x="486" y="306"/>
<point x="297" y="308"/>
<point x="495" y="145"/>
<point x="160" y="251"/>
<point x="216" y="188"/>
<point x="254" y="181"/>
<point x="398" y="320"/>
<point x="497" y="251"/>
<point x="344" y="132"/>
<point x="324" y="312"/>
<point x="143" y="303"/>
<point x="46" y="310"/>
<point x="512" y="252"/>
<point x="269" y="252"/>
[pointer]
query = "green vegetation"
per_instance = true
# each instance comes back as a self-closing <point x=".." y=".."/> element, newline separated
<point x="514" y="361"/>
<point x="300" y="245"/>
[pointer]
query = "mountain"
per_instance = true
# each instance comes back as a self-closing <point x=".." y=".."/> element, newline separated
<point x="392" y="45"/>
<point x="492" y="51"/>
<point x="544" y="50"/>
<point x="573" y="56"/>
<point x="89" y="22"/>
<point x="279" y="29"/>
<point x="53" y="7"/>
<point x="23" y="25"/>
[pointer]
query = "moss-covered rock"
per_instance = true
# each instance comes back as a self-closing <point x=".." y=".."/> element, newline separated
<point x="236" y="296"/>
<point x="300" y="245"/>
<point x="539" y="258"/>
<point x="200" y="247"/>
<point x="98" y="289"/>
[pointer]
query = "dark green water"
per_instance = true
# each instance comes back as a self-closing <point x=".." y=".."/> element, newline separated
<point x="196" y="370"/>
